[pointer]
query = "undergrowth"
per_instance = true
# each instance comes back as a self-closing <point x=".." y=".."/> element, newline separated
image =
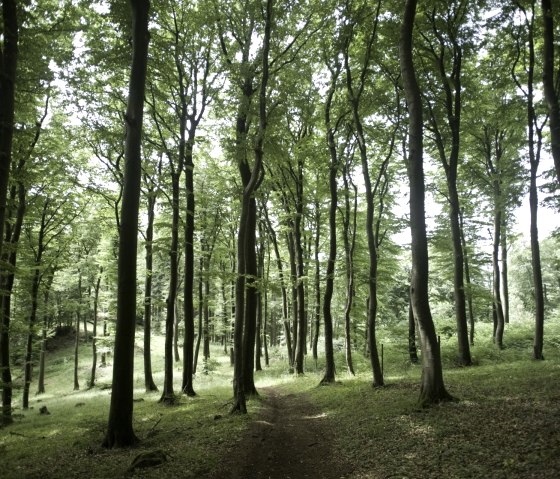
<point x="504" y="424"/>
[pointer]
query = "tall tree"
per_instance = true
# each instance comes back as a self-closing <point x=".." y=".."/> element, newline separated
<point x="356" y="79"/>
<point x="331" y="128"/>
<point x="526" y="61"/>
<point x="119" y="431"/>
<point x="446" y="48"/>
<point x="8" y="66"/>
<point x="432" y="388"/>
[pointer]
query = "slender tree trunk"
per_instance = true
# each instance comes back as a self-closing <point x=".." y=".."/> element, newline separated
<point x="505" y="282"/>
<point x="355" y="97"/>
<point x="261" y="289"/>
<point x="176" y="355"/>
<point x="250" y="313"/>
<point x="285" y="321"/>
<point x="6" y="285"/>
<point x="300" y="290"/>
<point x="94" y="343"/>
<point x="46" y="315"/>
<point x="149" y="383"/>
<point x="206" y="327"/>
<point x="329" y="376"/>
<point x="168" y="395"/>
<point x="200" y="309"/>
<point x="188" y="344"/>
<point x="534" y="159"/>
<point x="349" y="242"/>
<point x="467" y="279"/>
<point x="412" y="351"/>
<point x="294" y="310"/>
<point x="452" y="104"/>
<point x="119" y="431"/>
<point x="264" y="295"/>
<point x="76" y="352"/>
<point x="28" y="368"/>
<point x="496" y="290"/>
<point x="317" y="282"/>
<point x="432" y="388"/>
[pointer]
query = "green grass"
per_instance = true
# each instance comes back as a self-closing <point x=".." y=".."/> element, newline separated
<point x="504" y="424"/>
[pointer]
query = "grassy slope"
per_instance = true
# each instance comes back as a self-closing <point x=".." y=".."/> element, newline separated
<point x="505" y="424"/>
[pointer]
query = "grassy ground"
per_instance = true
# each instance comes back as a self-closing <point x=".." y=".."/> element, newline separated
<point x="503" y="426"/>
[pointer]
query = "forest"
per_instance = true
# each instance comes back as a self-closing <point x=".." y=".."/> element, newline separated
<point x="208" y="208"/>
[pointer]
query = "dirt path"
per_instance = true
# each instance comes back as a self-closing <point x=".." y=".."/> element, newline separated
<point x="289" y="439"/>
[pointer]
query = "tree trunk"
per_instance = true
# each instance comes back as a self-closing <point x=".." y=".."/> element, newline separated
<point x="119" y="431"/>
<point x="188" y="344"/>
<point x="412" y="351"/>
<point x="6" y="285"/>
<point x="432" y="389"/>
<point x="452" y="103"/>
<point x="43" y="354"/>
<point x="94" y="343"/>
<point x="317" y="282"/>
<point x="293" y="281"/>
<point x="349" y="257"/>
<point x="550" y="83"/>
<point x="206" y="327"/>
<point x="34" y="305"/>
<point x="329" y="376"/>
<point x="200" y="309"/>
<point x="496" y="290"/>
<point x="355" y="94"/>
<point x="285" y="321"/>
<point x="8" y="67"/>
<point x="264" y="295"/>
<point x="534" y="160"/>
<point x="250" y="313"/>
<point x="168" y="395"/>
<point x="505" y="282"/>
<point x="149" y="383"/>
<point x="467" y="278"/>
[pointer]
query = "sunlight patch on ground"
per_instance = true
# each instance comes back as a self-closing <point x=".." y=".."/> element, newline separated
<point x="322" y="415"/>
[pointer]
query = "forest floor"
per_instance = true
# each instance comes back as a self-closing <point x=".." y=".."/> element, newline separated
<point x="289" y="438"/>
<point x="504" y="424"/>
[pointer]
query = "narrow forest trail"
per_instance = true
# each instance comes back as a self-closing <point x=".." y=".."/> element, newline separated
<point x="288" y="439"/>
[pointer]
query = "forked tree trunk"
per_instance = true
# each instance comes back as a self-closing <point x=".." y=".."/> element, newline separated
<point x="451" y="85"/>
<point x="119" y="431"/>
<point x="432" y="389"/>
